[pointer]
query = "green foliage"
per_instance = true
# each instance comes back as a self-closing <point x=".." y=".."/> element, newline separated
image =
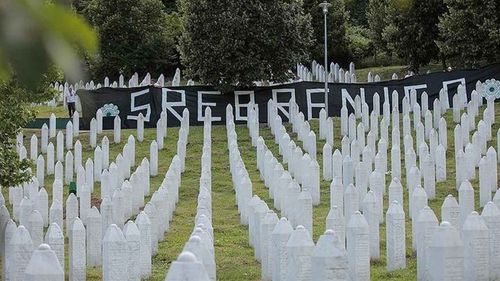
<point x="376" y="16"/>
<point x="360" y="44"/>
<point x="15" y="113"/>
<point x="412" y="30"/>
<point x="338" y="43"/>
<point x="32" y="37"/>
<point x="357" y="9"/>
<point x="234" y="43"/>
<point x="470" y="32"/>
<point x="135" y="36"/>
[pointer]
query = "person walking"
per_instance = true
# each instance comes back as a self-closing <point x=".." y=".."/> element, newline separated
<point x="71" y="100"/>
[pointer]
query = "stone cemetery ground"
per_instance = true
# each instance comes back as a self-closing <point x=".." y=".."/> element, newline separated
<point x="233" y="255"/>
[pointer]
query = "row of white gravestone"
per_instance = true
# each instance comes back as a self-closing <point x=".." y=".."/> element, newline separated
<point x="197" y="260"/>
<point x="286" y="254"/>
<point x="336" y="74"/>
<point x="121" y="83"/>
<point x="94" y="222"/>
<point x="117" y="208"/>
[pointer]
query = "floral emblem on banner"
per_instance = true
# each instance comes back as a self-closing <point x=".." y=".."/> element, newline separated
<point x="491" y="89"/>
<point x="110" y="110"/>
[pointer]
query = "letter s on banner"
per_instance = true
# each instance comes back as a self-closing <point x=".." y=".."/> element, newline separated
<point x="135" y="108"/>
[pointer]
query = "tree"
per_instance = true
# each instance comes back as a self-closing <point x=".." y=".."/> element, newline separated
<point x="236" y="42"/>
<point x="412" y="31"/>
<point x="338" y="43"/>
<point x="470" y="32"/>
<point x="135" y="36"/>
<point x="376" y="16"/>
<point x="27" y="60"/>
<point x="358" y="11"/>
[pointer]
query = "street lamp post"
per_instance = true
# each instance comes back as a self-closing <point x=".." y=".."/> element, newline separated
<point x="324" y="6"/>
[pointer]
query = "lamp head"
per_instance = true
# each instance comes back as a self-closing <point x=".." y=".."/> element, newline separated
<point x="324" y="6"/>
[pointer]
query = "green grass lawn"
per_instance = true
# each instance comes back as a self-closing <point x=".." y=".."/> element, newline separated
<point x="385" y="72"/>
<point x="234" y="257"/>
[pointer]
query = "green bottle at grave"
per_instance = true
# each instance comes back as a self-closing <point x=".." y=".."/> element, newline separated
<point x="72" y="187"/>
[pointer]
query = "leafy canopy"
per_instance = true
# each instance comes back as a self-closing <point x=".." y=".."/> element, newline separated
<point x="230" y="43"/>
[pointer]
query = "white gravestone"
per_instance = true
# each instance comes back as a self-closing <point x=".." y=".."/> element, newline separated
<point x="358" y="250"/>
<point x="187" y="268"/>
<point x="445" y="255"/>
<point x="395" y="237"/>
<point x="466" y="201"/>
<point x="336" y="222"/>
<point x="279" y="239"/>
<point x="299" y="250"/>
<point x="491" y="216"/>
<point x="476" y="248"/>
<point x="371" y="213"/>
<point x="450" y="211"/>
<point x="133" y="237"/>
<point x="425" y="225"/>
<point x="50" y="159"/>
<point x="117" y="129"/>
<point x="94" y="238"/>
<point x="329" y="259"/>
<point x="36" y="228"/>
<point x="143" y="223"/>
<point x="76" y="251"/>
<point x="44" y="266"/>
<point x="22" y="248"/>
<point x="114" y="256"/>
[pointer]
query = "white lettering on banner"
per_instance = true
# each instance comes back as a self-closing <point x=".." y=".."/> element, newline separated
<point x="238" y="106"/>
<point x="281" y="105"/>
<point x="408" y="89"/>
<point x="201" y="112"/>
<point x="166" y="105"/>
<point x="450" y="82"/>
<point x="310" y="104"/>
<point x="346" y="97"/>
<point x="134" y="108"/>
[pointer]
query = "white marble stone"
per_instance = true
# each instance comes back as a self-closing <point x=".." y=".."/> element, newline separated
<point x="133" y="237"/>
<point x="77" y="251"/>
<point x="426" y="222"/>
<point x="22" y="248"/>
<point x="327" y="162"/>
<point x="45" y="138"/>
<point x="144" y="225"/>
<point x="71" y="212"/>
<point x="396" y="191"/>
<point x="94" y="237"/>
<point x="52" y="125"/>
<point x="36" y="228"/>
<point x="279" y="239"/>
<point x="50" y="159"/>
<point x="299" y="250"/>
<point x="153" y="159"/>
<point x="187" y="268"/>
<point x="93" y="133"/>
<point x="466" y="201"/>
<point x="351" y="201"/>
<point x="114" y="256"/>
<point x="44" y="266"/>
<point x="60" y="146"/>
<point x="76" y="124"/>
<point x="105" y="152"/>
<point x="34" y="148"/>
<point x="266" y="229"/>
<point x="395" y="237"/>
<point x="491" y="216"/>
<point x="69" y="135"/>
<point x="68" y="168"/>
<point x="371" y="214"/>
<point x="476" y="248"/>
<point x="329" y="259"/>
<point x="450" y="211"/>
<point x="336" y="222"/>
<point x="358" y="250"/>
<point x="117" y="130"/>
<point x="56" y="214"/>
<point x="445" y="254"/>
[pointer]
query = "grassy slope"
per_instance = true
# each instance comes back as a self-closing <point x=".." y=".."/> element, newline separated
<point x="233" y="255"/>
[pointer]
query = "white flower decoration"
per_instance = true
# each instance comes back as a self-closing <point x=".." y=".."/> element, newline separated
<point x="110" y="110"/>
<point x="491" y="89"/>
